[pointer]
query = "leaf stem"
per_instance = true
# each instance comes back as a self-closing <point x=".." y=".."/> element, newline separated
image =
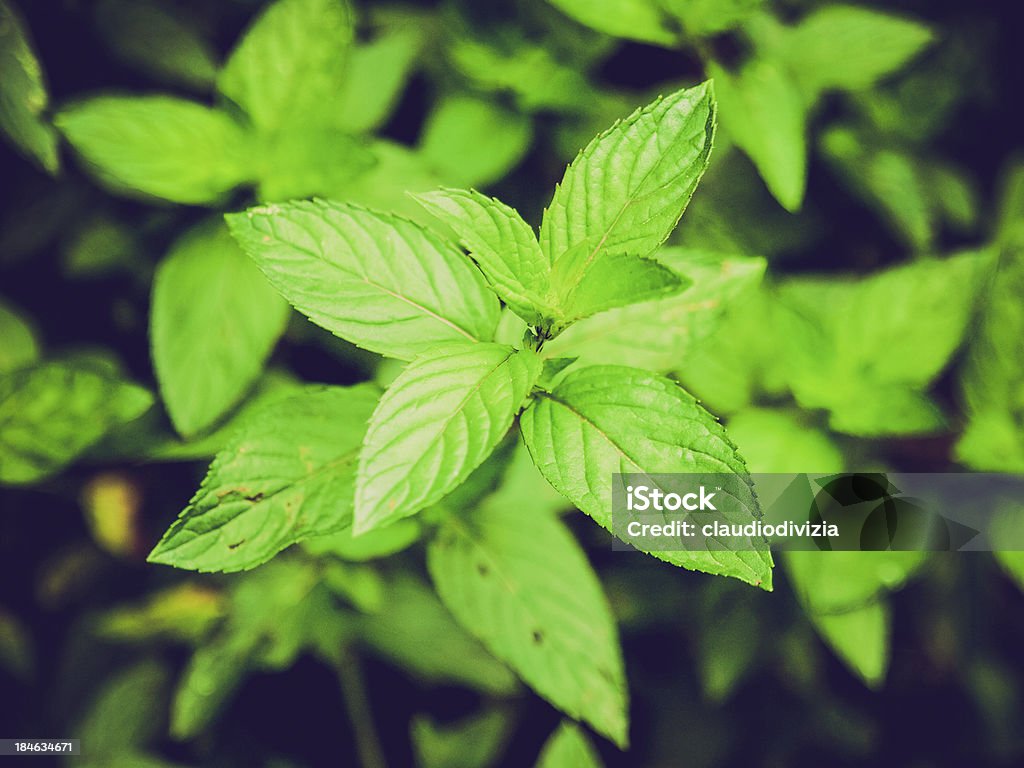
<point x="353" y="688"/>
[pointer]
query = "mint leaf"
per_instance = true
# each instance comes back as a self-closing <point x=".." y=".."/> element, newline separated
<point x="603" y="420"/>
<point x="657" y="334"/>
<point x="503" y="245"/>
<point x="519" y="581"/>
<point x="471" y="141"/>
<point x="894" y="331"/>
<point x="375" y="74"/>
<point x="52" y="412"/>
<point x="158" y="145"/>
<point x="213" y="323"/>
<point x="640" y="20"/>
<point x="626" y="191"/>
<point x="150" y="36"/>
<point x="23" y="95"/>
<point x="992" y="381"/>
<point x="473" y="742"/>
<point x="764" y="112"/>
<point x="290" y="65"/>
<point x="568" y="747"/>
<point x="860" y="638"/>
<point x="849" y="48"/>
<point x="587" y="286"/>
<point x="287" y="473"/>
<point x="435" y="424"/>
<point x="709" y="17"/>
<point x="20" y="347"/>
<point x="376" y="280"/>
<point x="418" y="634"/>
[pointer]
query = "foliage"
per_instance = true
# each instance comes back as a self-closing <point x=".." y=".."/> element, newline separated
<point x="529" y="247"/>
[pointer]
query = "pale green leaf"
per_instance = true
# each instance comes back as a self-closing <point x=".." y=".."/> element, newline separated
<point x="308" y="160"/>
<point x="626" y="191"/>
<point x="992" y="380"/>
<point x="657" y="334"/>
<point x="763" y="111"/>
<point x="588" y="285"/>
<point x="850" y="48"/>
<point x="893" y="330"/>
<point x="23" y="94"/>
<point x="474" y="142"/>
<point x="840" y="581"/>
<point x="519" y="581"/>
<point x="604" y="420"/>
<point x="641" y="20"/>
<point x="473" y="742"/>
<point x="382" y="542"/>
<point x="128" y="711"/>
<point x="503" y="245"/>
<point x="288" y="473"/>
<point x="152" y="37"/>
<point x="52" y="412"/>
<point x="860" y="638"/>
<point x="158" y="145"/>
<point x="374" y="77"/>
<point x="19" y="347"/>
<point x="213" y="322"/>
<point x="709" y="17"/>
<point x="435" y="424"/>
<point x="568" y="747"/>
<point x="379" y="281"/>
<point x="890" y="180"/>
<point x="776" y="441"/>
<point x="290" y="65"/>
<point x="419" y="635"/>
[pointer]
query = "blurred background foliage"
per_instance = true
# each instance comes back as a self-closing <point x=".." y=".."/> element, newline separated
<point x="857" y="252"/>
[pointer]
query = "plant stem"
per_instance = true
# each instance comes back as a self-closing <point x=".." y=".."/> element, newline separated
<point x="353" y="689"/>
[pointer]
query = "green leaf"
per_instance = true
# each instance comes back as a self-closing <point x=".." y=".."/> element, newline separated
<point x="290" y="65"/>
<point x="850" y="48"/>
<point x="568" y="747"/>
<point x="503" y="245"/>
<point x="473" y="742"/>
<point x="626" y="191"/>
<point x="370" y="546"/>
<point x="23" y="94"/>
<point x="435" y="424"/>
<point x="587" y="286"/>
<point x="640" y="20"/>
<point x="213" y="322"/>
<point x="892" y="331"/>
<point x="419" y="635"/>
<point x="20" y="347"/>
<point x="838" y="582"/>
<point x="151" y="36"/>
<point x="471" y="141"/>
<point x="890" y="180"/>
<point x="288" y="473"/>
<point x="309" y="160"/>
<point x="127" y="713"/>
<point x="776" y="441"/>
<point x="53" y="412"/>
<point x="375" y="75"/>
<point x="764" y="112"/>
<point x="158" y="145"/>
<point x="520" y="582"/>
<point x="604" y="420"/>
<point x="708" y="17"/>
<point x="860" y="638"/>
<point x="379" y="281"/>
<point x="658" y="334"/>
<point x="992" y="380"/>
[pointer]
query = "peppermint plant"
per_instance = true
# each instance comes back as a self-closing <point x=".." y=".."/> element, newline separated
<point x="475" y="332"/>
